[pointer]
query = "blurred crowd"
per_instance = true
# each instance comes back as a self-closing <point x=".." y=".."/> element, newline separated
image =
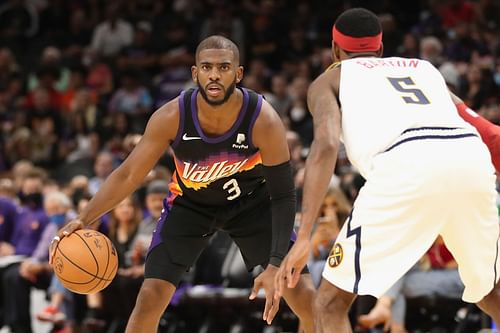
<point x="79" y="80"/>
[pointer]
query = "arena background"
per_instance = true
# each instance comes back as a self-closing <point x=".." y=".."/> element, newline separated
<point x="75" y="95"/>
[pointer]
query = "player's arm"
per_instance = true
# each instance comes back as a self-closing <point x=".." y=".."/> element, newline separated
<point x="269" y="136"/>
<point x="490" y="133"/>
<point x="160" y="131"/>
<point x="320" y="164"/>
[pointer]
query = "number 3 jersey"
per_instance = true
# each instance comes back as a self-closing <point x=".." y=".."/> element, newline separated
<point x="214" y="171"/>
<point x="381" y="98"/>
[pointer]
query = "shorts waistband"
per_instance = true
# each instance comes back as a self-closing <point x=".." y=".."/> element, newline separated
<point x="427" y="133"/>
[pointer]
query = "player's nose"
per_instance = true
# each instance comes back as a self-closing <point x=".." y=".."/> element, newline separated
<point x="214" y="74"/>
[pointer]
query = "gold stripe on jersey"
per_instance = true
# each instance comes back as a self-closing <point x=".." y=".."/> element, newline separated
<point x="332" y="66"/>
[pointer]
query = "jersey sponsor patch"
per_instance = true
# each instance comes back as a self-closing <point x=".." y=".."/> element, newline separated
<point x="336" y="255"/>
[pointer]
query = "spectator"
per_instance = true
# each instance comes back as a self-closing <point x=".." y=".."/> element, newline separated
<point x="113" y="34"/>
<point x="34" y="271"/>
<point x="133" y="99"/>
<point x="334" y="212"/>
<point x="123" y="226"/>
<point x="431" y="49"/>
<point x="140" y="54"/>
<point x="52" y="73"/>
<point x="18" y="22"/>
<point x="78" y="35"/>
<point x="279" y="97"/>
<point x="103" y="166"/>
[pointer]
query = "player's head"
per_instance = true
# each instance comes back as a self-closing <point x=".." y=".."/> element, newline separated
<point x="356" y="32"/>
<point x="217" y="69"/>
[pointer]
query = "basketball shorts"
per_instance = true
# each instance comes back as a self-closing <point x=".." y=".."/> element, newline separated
<point x="413" y="193"/>
<point x="185" y="228"/>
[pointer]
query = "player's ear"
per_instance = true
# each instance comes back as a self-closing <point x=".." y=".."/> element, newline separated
<point x="239" y="74"/>
<point x="194" y="73"/>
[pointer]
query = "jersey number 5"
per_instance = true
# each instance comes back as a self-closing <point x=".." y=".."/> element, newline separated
<point x="404" y="84"/>
<point x="232" y="188"/>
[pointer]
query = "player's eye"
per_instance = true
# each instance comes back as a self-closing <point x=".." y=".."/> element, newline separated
<point x="205" y="67"/>
<point x="224" y="67"/>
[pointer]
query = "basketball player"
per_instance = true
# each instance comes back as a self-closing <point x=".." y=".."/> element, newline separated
<point x="427" y="174"/>
<point x="232" y="173"/>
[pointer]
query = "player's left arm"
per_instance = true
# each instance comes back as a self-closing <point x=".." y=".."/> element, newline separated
<point x="490" y="133"/>
<point x="269" y="136"/>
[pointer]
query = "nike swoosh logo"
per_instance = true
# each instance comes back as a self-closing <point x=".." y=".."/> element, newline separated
<point x="187" y="138"/>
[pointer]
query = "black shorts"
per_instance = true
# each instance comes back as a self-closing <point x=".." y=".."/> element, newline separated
<point x="186" y="228"/>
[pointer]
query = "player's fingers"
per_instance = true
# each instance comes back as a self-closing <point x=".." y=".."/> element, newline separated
<point x="289" y="277"/>
<point x="267" y="307"/>
<point x="53" y="247"/>
<point x="295" y="278"/>
<point x="255" y="290"/>
<point x="282" y="283"/>
<point x="387" y="326"/>
<point x="70" y="228"/>
<point x="278" y="284"/>
<point x="273" y="311"/>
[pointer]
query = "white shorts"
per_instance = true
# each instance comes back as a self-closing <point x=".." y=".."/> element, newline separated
<point x="415" y="192"/>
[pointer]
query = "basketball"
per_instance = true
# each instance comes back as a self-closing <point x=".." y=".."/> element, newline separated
<point x="85" y="261"/>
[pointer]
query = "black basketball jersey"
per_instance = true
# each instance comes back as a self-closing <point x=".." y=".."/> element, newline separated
<point x="215" y="170"/>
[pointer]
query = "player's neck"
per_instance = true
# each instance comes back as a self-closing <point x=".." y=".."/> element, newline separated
<point x="216" y="120"/>
<point x="223" y="111"/>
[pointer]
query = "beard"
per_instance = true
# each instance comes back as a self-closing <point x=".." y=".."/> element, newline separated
<point x="229" y="92"/>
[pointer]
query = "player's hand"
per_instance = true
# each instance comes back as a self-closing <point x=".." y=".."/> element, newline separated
<point x="63" y="232"/>
<point x="289" y="272"/>
<point x="266" y="280"/>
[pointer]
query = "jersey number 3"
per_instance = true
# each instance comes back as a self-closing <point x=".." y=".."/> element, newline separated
<point x="231" y="186"/>
<point x="412" y="95"/>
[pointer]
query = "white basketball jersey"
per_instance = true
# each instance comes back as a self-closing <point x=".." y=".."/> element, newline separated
<point x="382" y="97"/>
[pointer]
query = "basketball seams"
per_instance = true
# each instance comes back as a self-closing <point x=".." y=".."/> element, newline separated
<point x="97" y="281"/>
<point x="103" y="279"/>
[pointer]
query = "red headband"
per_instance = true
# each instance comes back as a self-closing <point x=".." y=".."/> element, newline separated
<point x="356" y="44"/>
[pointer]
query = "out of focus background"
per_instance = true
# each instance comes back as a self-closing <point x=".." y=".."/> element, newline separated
<point x="79" y="80"/>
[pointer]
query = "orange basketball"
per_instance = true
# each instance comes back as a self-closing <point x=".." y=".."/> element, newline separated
<point x="85" y="261"/>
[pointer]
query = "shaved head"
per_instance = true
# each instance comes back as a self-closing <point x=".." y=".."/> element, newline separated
<point x="219" y="43"/>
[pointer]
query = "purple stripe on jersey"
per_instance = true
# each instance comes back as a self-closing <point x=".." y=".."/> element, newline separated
<point x="225" y="136"/>
<point x="254" y="118"/>
<point x="293" y="237"/>
<point x="428" y="137"/>
<point x="181" y="120"/>
<point x="157" y="240"/>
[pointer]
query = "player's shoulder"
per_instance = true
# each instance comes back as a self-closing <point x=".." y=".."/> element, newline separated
<point x="330" y="78"/>
<point x="166" y="118"/>
<point x="267" y="119"/>
<point x="169" y="109"/>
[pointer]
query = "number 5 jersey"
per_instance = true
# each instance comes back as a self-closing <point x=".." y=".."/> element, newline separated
<point x="384" y="98"/>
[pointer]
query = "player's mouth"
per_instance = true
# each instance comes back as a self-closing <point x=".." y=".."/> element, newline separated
<point x="214" y="90"/>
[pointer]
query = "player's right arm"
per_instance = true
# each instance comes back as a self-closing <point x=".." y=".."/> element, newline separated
<point x="160" y="131"/>
<point x="320" y="164"/>
<point x="490" y="133"/>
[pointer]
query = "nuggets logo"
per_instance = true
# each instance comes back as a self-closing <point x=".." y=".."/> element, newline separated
<point x="336" y="255"/>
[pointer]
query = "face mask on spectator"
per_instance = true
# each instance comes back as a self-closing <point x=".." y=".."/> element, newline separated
<point x="58" y="219"/>
<point x="32" y="200"/>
